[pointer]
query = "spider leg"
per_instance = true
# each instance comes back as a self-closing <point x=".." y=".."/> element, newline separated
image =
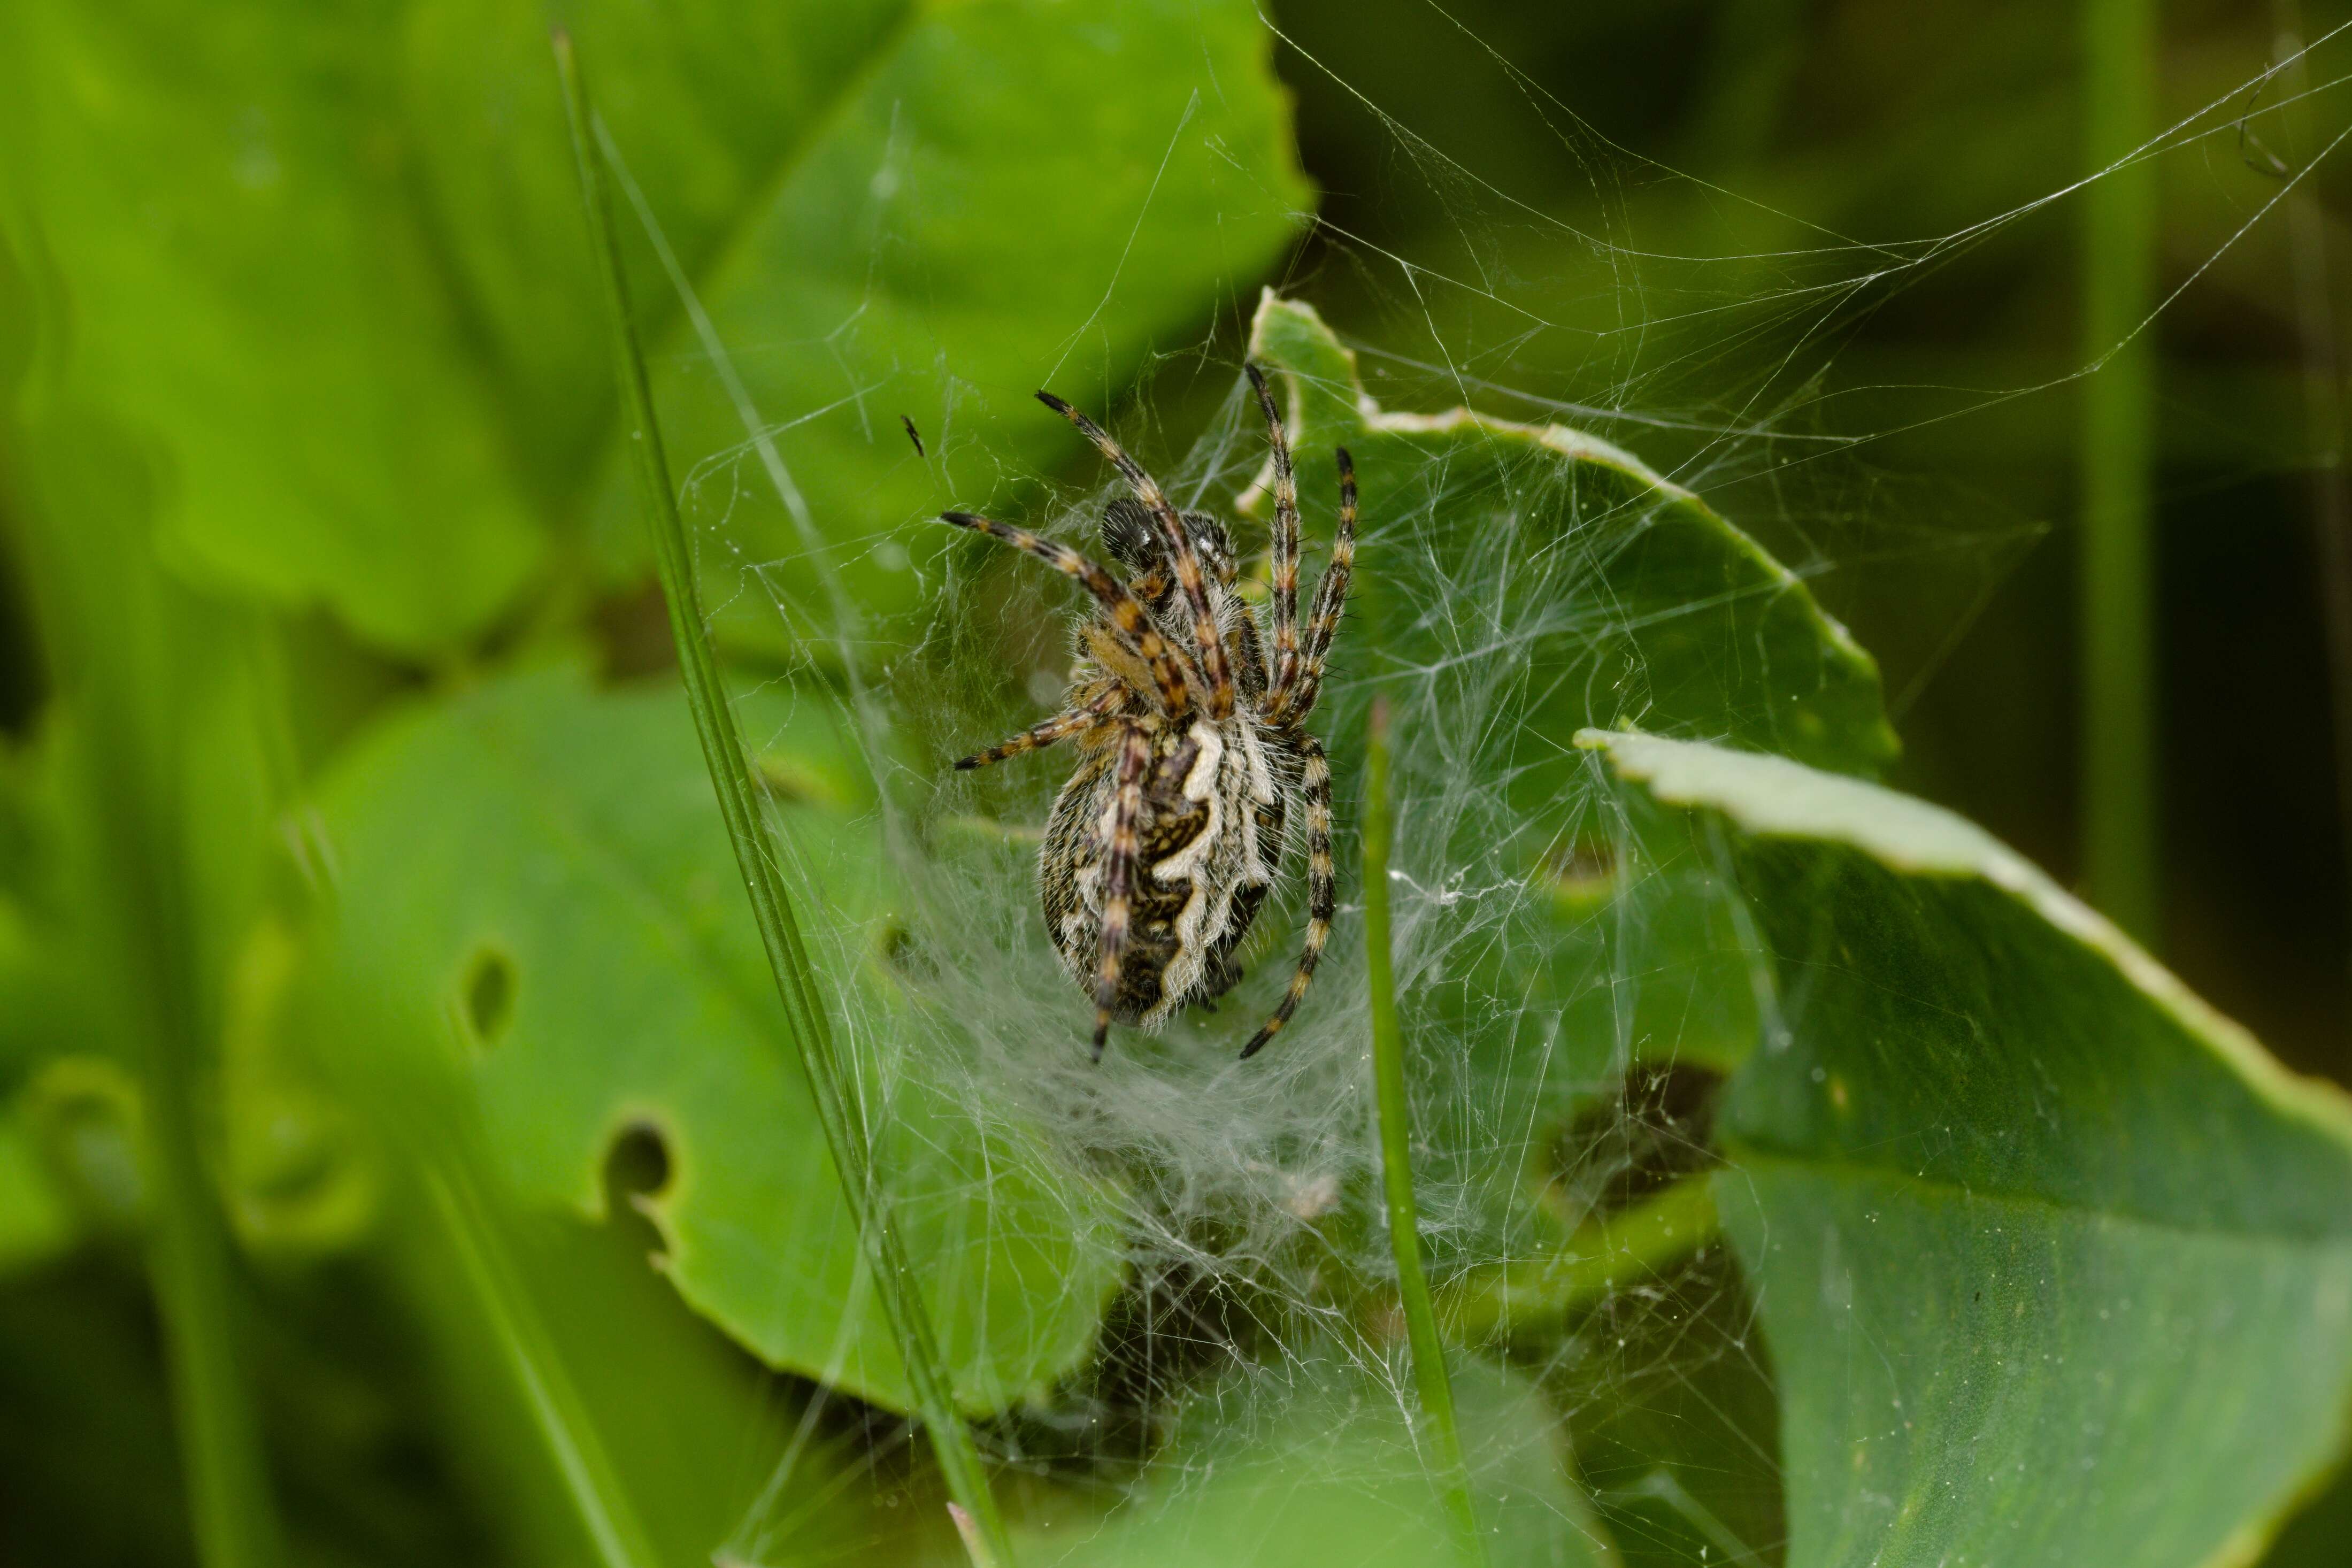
<point x="1210" y="646"/>
<point x="1134" y="627"/>
<point x="1119" y="856"/>
<point x="1322" y="896"/>
<point x="1286" y="541"/>
<point x="1038" y="736"/>
<point x="1330" y="596"/>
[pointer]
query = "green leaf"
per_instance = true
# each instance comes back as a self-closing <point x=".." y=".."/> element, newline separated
<point x="2314" y="1538"/>
<point x="1321" y="1465"/>
<point x="329" y="263"/>
<point x="924" y="209"/>
<point x="1675" y="1421"/>
<point x="709" y="1450"/>
<point x="712" y="105"/>
<point x="1514" y="584"/>
<point x="1624" y="598"/>
<point x="2055" y="1264"/>
<point x="300" y="1177"/>
<point x="223" y="197"/>
<point x="534" y="879"/>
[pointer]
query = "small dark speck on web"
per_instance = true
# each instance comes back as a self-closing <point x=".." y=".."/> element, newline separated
<point x="912" y="435"/>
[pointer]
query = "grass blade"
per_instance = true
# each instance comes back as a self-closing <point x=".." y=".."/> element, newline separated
<point x="230" y="1505"/>
<point x="1396" y="1154"/>
<point x="126" y="646"/>
<point x="730" y="777"/>
<point x="530" y="1355"/>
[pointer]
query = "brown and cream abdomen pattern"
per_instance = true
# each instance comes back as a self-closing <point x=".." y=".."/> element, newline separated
<point x="1209" y="833"/>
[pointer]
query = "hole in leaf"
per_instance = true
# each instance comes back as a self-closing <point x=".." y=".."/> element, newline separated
<point x="637" y="1162"/>
<point x="490" y="994"/>
<point x="636" y="1172"/>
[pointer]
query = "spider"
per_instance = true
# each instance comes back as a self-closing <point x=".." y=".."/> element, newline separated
<point x="1194" y="754"/>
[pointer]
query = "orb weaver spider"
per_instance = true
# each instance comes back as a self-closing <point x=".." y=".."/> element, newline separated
<point x="1192" y="753"/>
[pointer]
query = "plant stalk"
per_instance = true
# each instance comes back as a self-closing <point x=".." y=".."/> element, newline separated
<point x="232" y="1511"/>
<point x="522" y="1338"/>
<point x="1507" y="1300"/>
<point x="730" y="778"/>
<point x="1396" y="1152"/>
<point x="128" y="642"/>
<point x="231" y="1508"/>
<point x="2118" y="760"/>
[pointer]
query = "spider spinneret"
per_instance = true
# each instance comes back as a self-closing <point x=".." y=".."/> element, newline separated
<point x="1193" y="752"/>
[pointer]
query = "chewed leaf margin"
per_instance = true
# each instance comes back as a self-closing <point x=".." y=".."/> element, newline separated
<point x="1734" y="643"/>
<point x="588" y="861"/>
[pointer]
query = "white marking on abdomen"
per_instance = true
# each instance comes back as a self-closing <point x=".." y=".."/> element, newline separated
<point x="1204" y="906"/>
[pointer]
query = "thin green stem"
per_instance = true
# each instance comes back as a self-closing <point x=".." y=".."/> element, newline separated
<point x="968" y="1532"/>
<point x="1539" y="1295"/>
<point x="127" y="641"/>
<point x="231" y="1508"/>
<point x="739" y="797"/>
<point x="563" y="1423"/>
<point x="1396" y="1152"/>
<point x="231" y="1511"/>
<point x="2118" y="763"/>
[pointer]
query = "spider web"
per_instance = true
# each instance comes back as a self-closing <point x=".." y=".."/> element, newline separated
<point x="1552" y="1090"/>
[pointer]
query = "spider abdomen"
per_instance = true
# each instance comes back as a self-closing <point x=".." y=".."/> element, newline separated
<point x="1208" y="826"/>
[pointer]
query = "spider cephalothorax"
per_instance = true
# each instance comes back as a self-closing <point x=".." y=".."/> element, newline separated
<point x="1192" y="751"/>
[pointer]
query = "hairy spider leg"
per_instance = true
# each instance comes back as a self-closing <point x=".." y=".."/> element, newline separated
<point x="1149" y="586"/>
<point x="1322" y="894"/>
<point x="1134" y="627"/>
<point x="1119" y="856"/>
<point x="1209" y="646"/>
<point x="1286" y="539"/>
<point x="1330" y="596"/>
<point x="1061" y="726"/>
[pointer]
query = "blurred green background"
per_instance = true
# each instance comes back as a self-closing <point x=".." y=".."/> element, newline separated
<point x="1951" y="547"/>
<point x="1707" y="228"/>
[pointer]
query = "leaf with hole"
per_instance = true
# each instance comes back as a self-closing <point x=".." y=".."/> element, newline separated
<point x="537" y="895"/>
